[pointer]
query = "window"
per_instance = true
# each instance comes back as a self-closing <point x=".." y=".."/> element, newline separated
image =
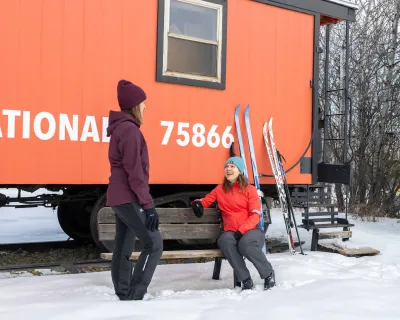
<point x="191" y="44"/>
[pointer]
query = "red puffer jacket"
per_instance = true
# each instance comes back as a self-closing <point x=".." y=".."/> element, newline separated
<point x="240" y="209"/>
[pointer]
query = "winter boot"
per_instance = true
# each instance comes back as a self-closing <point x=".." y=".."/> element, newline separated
<point x="269" y="281"/>
<point x="248" y="284"/>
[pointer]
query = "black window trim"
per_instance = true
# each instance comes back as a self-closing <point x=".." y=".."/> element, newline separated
<point x="161" y="77"/>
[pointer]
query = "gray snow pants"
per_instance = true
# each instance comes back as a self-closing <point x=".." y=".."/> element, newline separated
<point x="250" y="246"/>
<point x="130" y="223"/>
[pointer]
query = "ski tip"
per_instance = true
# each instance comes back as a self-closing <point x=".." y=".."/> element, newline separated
<point x="265" y="125"/>
<point x="237" y="108"/>
<point x="247" y="113"/>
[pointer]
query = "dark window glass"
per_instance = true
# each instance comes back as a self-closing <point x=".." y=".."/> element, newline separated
<point x="186" y="56"/>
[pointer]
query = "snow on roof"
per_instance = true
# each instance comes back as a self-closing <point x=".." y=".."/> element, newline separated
<point x="347" y="3"/>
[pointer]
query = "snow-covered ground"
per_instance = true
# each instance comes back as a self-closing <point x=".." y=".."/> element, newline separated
<point x="29" y="224"/>
<point x="316" y="286"/>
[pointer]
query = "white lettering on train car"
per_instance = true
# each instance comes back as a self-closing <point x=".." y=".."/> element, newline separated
<point x="26" y="124"/>
<point x="64" y="126"/>
<point x="67" y="126"/>
<point x="37" y="125"/>
<point x="197" y="135"/>
<point x="90" y="129"/>
<point x="11" y="114"/>
<point x="105" y="125"/>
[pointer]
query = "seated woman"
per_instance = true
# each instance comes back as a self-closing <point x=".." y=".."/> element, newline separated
<point x="242" y="237"/>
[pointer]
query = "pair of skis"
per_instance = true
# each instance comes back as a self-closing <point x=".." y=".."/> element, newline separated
<point x="281" y="184"/>
<point x="252" y="157"/>
<point x="278" y="171"/>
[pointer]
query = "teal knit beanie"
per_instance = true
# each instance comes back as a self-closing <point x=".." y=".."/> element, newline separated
<point x="238" y="162"/>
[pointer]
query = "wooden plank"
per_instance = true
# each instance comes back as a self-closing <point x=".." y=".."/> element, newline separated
<point x="332" y="235"/>
<point x="172" y="231"/>
<point x="169" y="215"/>
<point x="179" y="254"/>
<point x="349" y="252"/>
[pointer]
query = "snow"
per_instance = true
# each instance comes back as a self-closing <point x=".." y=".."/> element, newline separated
<point x="318" y="285"/>
<point x="29" y="224"/>
<point x="347" y="3"/>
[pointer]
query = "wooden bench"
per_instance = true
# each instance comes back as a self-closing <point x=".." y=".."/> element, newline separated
<point x="175" y="224"/>
<point x="325" y="220"/>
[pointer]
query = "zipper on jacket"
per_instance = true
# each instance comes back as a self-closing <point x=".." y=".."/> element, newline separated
<point x="237" y="223"/>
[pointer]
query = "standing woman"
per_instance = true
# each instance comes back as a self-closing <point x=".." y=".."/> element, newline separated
<point x="128" y="195"/>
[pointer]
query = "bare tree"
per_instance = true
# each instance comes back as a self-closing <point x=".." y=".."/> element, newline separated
<point x="374" y="76"/>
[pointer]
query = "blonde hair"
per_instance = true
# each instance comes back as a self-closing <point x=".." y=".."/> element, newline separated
<point x="135" y="113"/>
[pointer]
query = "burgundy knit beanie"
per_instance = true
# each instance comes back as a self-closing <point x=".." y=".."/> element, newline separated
<point x="129" y="95"/>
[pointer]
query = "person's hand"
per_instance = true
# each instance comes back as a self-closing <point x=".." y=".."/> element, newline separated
<point x="237" y="235"/>
<point x="198" y="208"/>
<point x="151" y="219"/>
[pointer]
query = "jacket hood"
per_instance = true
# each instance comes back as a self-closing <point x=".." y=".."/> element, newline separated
<point x="117" y="117"/>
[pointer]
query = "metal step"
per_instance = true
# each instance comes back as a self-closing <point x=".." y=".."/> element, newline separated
<point x="318" y="214"/>
<point x="315" y="205"/>
<point x="326" y="225"/>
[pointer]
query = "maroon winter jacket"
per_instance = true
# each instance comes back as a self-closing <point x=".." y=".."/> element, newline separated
<point x="129" y="162"/>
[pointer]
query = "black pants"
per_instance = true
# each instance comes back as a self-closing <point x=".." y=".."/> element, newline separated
<point x="130" y="223"/>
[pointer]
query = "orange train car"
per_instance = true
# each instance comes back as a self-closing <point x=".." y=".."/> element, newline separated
<point x="60" y="62"/>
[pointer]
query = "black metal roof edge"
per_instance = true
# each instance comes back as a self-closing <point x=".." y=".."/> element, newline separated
<point x="330" y="9"/>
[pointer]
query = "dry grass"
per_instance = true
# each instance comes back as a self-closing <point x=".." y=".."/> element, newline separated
<point x="369" y="213"/>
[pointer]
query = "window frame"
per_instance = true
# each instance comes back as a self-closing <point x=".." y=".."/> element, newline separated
<point x="162" y="75"/>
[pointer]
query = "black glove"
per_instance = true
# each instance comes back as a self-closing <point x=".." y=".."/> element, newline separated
<point x="198" y="208"/>
<point x="237" y="235"/>
<point x="151" y="219"/>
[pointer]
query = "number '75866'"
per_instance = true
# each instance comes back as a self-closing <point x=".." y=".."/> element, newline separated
<point x="197" y="135"/>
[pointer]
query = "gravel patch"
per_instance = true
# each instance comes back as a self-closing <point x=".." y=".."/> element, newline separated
<point x="18" y="257"/>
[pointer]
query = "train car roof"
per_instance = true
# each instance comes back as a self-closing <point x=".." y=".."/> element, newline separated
<point x="331" y="11"/>
<point x="346" y="3"/>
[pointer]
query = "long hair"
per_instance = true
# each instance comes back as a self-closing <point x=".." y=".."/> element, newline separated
<point x="242" y="181"/>
<point x="135" y="113"/>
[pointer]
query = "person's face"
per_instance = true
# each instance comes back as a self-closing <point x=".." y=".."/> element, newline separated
<point x="142" y="107"/>
<point x="231" y="172"/>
